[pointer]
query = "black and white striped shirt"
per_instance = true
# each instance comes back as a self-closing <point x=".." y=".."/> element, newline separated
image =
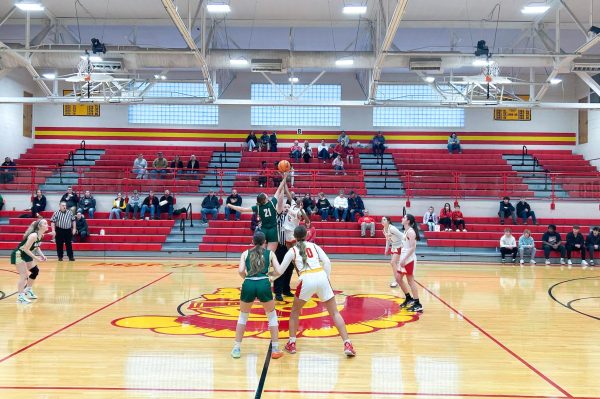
<point x="63" y="220"/>
<point x="280" y="231"/>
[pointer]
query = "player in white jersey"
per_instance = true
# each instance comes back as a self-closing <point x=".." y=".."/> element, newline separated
<point x="393" y="241"/>
<point x="313" y="267"/>
<point x="294" y="215"/>
<point x="407" y="264"/>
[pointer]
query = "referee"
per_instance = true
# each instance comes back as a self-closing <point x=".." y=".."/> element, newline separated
<point x="281" y="285"/>
<point x="64" y="227"/>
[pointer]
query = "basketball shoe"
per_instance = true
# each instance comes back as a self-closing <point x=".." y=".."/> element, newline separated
<point x="21" y="298"/>
<point x="349" y="349"/>
<point x="290" y="347"/>
<point x="29" y="293"/>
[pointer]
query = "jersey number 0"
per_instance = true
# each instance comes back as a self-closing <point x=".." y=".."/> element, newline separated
<point x="309" y="252"/>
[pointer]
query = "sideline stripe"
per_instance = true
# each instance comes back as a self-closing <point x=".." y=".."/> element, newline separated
<point x="80" y="319"/>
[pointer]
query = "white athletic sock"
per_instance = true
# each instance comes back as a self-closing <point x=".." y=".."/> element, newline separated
<point x="236" y="344"/>
<point x="275" y="346"/>
<point x="292" y="339"/>
<point x="347" y="341"/>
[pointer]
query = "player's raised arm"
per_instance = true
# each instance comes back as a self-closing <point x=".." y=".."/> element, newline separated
<point x="279" y="193"/>
<point x="240" y="208"/>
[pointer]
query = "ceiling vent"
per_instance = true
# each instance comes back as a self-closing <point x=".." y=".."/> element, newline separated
<point x="267" y="65"/>
<point x="425" y="64"/>
<point x="107" y="66"/>
<point x="586" y="66"/>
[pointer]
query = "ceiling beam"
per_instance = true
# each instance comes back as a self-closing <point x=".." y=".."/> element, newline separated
<point x="589" y="81"/>
<point x="25" y="63"/>
<point x="8" y="15"/>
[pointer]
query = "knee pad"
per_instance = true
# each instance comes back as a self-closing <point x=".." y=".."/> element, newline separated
<point x="272" y="317"/>
<point x="243" y="318"/>
<point x="34" y="272"/>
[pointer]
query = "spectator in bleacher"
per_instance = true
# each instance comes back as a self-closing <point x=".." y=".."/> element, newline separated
<point x="307" y="153"/>
<point x="343" y="139"/>
<point x="308" y="204"/>
<point x="350" y="152"/>
<point x="276" y="176"/>
<point x="338" y="165"/>
<point x="150" y="203"/>
<point x="526" y="247"/>
<point x="454" y="144"/>
<point x="71" y="199"/>
<point x="446" y="217"/>
<point x="592" y="243"/>
<point x="458" y="219"/>
<point x="211" y="205"/>
<point x="338" y="151"/>
<point x="134" y="206"/>
<point x="2" y="202"/>
<point x="264" y="141"/>
<point x="7" y="171"/>
<point x="159" y="166"/>
<point x="177" y="165"/>
<point x="366" y="222"/>
<point x="165" y="204"/>
<point x="81" y="228"/>
<point x="255" y="222"/>
<point x="193" y="166"/>
<point x="524" y="211"/>
<point x="263" y="174"/>
<point x="87" y="203"/>
<point x="295" y="151"/>
<point x="252" y="141"/>
<point x="430" y="219"/>
<point x="273" y="142"/>
<point x="378" y="144"/>
<point x="551" y="241"/>
<point x="507" y="209"/>
<point x="508" y="245"/>
<point x="323" y="207"/>
<point x="119" y="205"/>
<point x="38" y="204"/>
<point x="355" y="206"/>
<point x="233" y="199"/>
<point x="140" y="167"/>
<point x="340" y="205"/>
<point x="323" y="151"/>
<point x="575" y="242"/>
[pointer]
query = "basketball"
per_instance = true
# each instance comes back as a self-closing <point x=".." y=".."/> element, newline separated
<point x="283" y="166"/>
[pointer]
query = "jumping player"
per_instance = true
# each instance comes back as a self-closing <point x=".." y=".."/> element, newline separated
<point x="314" y="279"/>
<point x="407" y="264"/>
<point x="254" y="269"/>
<point x="393" y="239"/>
<point x="23" y="258"/>
<point x="294" y="215"/>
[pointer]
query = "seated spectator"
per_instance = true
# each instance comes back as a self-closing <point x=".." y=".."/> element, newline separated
<point x="255" y="222"/>
<point x="264" y="141"/>
<point x="446" y="217"/>
<point x="366" y="222"/>
<point x="193" y="166"/>
<point x="177" y="165"/>
<point x="378" y="143"/>
<point x="263" y="174"/>
<point x="71" y="199"/>
<point x="430" y="219"/>
<point x="81" y="228"/>
<point x="526" y="247"/>
<point x="343" y="139"/>
<point x="159" y="166"/>
<point x="307" y="153"/>
<point x="507" y="209"/>
<point x="323" y="151"/>
<point x="338" y="151"/>
<point x="593" y="243"/>
<point x="119" y="205"/>
<point x="150" y="203"/>
<point x="311" y="232"/>
<point x="87" y="204"/>
<point x="295" y="151"/>
<point x="575" y="242"/>
<point x="454" y="144"/>
<point x="458" y="219"/>
<point x="355" y="206"/>
<point x="233" y="199"/>
<point x="140" y="167"/>
<point x="340" y="205"/>
<point x="165" y="204"/>
<point x="338" y="166"/>
<point x="211" y="205"/>
<point x="308" y="205"/>
<point x="349" y="152"/>
<point x="273" y="142"/>
<point x="551" y="241"/>
<point x="7" y="172"/>
<point x="508" y="245"/>
<point x="38" y="204"/>
<point x="134" y="206"/>
<point x="276" y="176"/>
<point x="524" y="211"/>
<point x="252" y="141"/>
<point x="323" y="207"/>
<point x="290" y="177"/>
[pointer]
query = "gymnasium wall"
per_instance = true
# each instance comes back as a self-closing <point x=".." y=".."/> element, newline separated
<point x="13" y="84"/>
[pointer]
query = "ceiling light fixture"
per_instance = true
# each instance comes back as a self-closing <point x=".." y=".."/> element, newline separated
<point x="555" y="81"/>
<point x="92" y="58"/>
<point x="238" y="62"/>
<point x="535" y="8"/>
<point x="160" y="77"/>
<point x="293" y="79"/>
<point x="344" y="62"/>
<point x="29" y="6"/>
<point x="354" y="10"/>
<point x="218" y="8"/>
<point x="49" y="76"/>
<point x="481" y="62"/>
<point x="429" y="79"/>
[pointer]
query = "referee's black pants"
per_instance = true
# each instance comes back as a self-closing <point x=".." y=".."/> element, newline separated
<point x="64" y="236"/>
<point x="282" y="284"/>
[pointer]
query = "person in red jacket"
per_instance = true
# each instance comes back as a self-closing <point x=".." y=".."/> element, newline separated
<point x="365" y="222"/>
<point x="458" y="219"/>
<point x="446" y="217"/>
<point x="338" y="151"/>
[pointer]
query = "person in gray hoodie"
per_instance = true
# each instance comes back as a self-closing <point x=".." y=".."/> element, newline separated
<point x="134" y="205"/>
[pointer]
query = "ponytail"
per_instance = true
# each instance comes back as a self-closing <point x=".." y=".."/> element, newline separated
<point x="300" y="236"/>
<point x="414" y="225"/>
<point x="256" y="255"/>
<point x="33" y="228"/>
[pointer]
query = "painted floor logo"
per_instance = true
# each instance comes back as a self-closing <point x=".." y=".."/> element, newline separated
<point x="215" y="315"/>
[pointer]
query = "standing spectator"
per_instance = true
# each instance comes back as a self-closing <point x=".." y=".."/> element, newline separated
<point x="87" y="203"/>
<point x="430" y="219"/>
<point x="134" y="205"/>
<point x="71" y="199"/>
<point x="323" y="207"/>
<point x="140" y="167"/>
<point x="446" y="217"/>
<point x="81" y="228"/>
<point x="273" y="142"/>
<point x="593" y="243"/>
<point x="193" y="166"/>
<point x="252" y="141"/>
<point x="508" y="245"/>
<point x="524" y="211"/>
<point x="551" y="241"/>
<point x="119" y="205"/>
<point x="295" y="151"/>
<point x="343" y="139"/>
<point x="233" y="199"/>
<point x="264" y="141"/>
<point x="506" y="209"/>
<point x="340" y="205"/>
<point x="365" y="222"/>
<point x="165" y="204"/>
<point x="177" y="165"/>
<point x="349" y="152"/>
<point x="454" y="144"/>
<point x="38" y="204"/>
<point x="526" y="247"/>
<point x="308" y="205"/>
<point x="211" y="205"/>
<point x="378" y="144"/>
<point x="64" y="227"/>
<point x="576" y="242"/>
<point x="458" y="219"/>
<point x="355" y="206"/>
<point x="338" y="166"/>
<point x="159" y="166"/>
<point x="7" y="171"/>
<point x="307" y="153"/>
<point x="150" y="203"/>
<point x="323" y="151"/>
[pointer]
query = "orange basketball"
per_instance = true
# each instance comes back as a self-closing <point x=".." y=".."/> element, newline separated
<point x="284" y="166"/>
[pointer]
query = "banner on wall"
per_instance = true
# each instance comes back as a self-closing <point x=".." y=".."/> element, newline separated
<point x="80" y="109"/>
<point x="512" y="114"/>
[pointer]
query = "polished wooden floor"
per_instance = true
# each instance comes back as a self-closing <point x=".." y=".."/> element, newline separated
<point x="111" y="329"/>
